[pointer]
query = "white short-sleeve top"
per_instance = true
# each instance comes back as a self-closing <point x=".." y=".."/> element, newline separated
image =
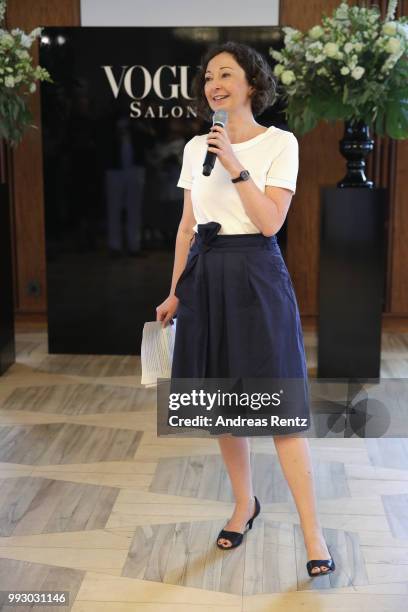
<point x="271" y="157"/>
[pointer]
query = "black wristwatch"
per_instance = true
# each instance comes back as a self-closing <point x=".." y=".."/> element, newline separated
<point x="243" y="176"/>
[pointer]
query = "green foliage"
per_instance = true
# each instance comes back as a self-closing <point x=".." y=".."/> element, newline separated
<point x="18" y="79"/>
<point x="351" y="66"/>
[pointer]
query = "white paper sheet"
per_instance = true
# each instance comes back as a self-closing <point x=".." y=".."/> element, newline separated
<point x="157" y="351"/>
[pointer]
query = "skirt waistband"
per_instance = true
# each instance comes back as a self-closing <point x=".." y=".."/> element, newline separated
<point x="207" y="238"/>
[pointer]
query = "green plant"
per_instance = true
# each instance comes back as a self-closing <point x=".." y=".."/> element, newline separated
<point x="353" y="66"/>
<point x="18" y="79"/>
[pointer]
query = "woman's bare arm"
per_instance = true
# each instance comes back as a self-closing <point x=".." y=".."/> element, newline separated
<point x="184" y="234"/>
<point x="166" y="310"/>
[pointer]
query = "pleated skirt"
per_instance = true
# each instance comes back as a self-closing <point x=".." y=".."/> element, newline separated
<point x="238" y="319"/>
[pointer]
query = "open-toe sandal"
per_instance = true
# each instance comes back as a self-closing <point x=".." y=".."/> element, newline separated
<point x="235" y="537"/>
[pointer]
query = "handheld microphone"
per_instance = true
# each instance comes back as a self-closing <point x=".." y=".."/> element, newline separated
<point x="219" y="118"/>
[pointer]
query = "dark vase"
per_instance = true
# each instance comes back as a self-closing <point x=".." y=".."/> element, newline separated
<point x="355" y="145"/>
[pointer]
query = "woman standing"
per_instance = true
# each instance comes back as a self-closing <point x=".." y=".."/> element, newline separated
<point x="237" y="314"/>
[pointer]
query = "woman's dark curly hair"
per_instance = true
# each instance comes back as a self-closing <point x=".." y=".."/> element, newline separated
<point x="258" y="74"/>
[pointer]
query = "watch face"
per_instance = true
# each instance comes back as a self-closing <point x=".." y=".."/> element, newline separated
<point x="244" y="175"/>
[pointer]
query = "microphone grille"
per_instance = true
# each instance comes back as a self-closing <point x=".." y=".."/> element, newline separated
<point x="220" y="116"/>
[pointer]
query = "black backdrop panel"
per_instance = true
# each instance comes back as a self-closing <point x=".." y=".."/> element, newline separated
<point x="115" y="122"/>
<point x="7" y="334"/>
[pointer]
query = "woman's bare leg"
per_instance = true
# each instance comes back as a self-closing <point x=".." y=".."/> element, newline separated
<point x="295" y="460"/>
<point x="236" y="455"/>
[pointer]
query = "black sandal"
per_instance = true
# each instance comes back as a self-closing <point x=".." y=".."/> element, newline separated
<point x="235" y="537"/>
<point x="329" y="563"/>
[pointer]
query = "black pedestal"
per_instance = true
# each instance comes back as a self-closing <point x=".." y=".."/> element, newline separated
<point x="351" y="286"/>
<point x="7" y="342"/>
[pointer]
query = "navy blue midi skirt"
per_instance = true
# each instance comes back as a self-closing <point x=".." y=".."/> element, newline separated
<point x="238" y="319"/>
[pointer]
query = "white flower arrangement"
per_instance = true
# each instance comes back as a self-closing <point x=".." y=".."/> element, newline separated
<point x="18" y="79"/>
<point x="353" y="66"/>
